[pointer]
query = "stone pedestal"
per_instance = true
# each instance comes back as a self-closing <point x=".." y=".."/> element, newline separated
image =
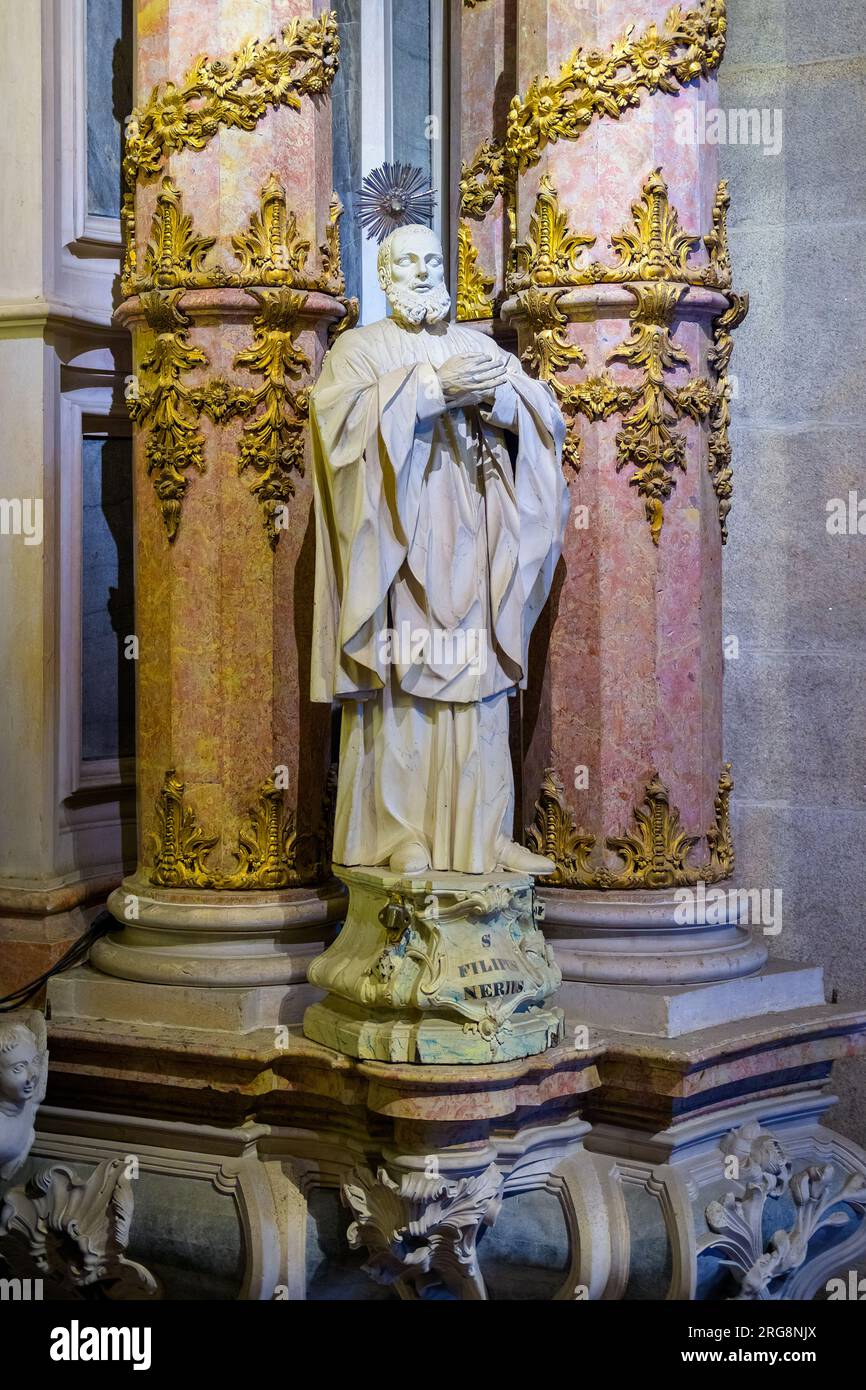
<point x="438" y="968"/>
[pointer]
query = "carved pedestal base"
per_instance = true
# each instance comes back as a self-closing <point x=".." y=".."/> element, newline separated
<point x="441" y="968"/>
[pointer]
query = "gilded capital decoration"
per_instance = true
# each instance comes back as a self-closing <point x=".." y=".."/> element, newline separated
<point x="592" y="82"/>
<point x="654" y="247"/>
<point x="719" y="447"/>
<point x="175" y="256"/>
<point x="271" y="852"/>
<point x="473" y="285"/>
<point x="271" y="250"/>
<point x="656" y="854"/>
<point x="236" y="92"/>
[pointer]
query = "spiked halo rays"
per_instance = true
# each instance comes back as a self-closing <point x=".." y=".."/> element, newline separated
<point x="392" y="196"/>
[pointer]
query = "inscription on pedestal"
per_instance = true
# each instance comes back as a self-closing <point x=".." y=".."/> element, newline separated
<point x="465" y="983"/>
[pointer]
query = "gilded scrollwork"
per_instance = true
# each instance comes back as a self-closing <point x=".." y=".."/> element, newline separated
<point x="719" y="272"/>
<point x="235" y="93"/>
<point x="648" y="441"/>
<point x="161" y="401"/>
<point x="657" y="853"/>
<point x="272" y="444"/>
<point x="473" y="284"/>
<point x="719" y="452"/>
<point x="591" y="83"/>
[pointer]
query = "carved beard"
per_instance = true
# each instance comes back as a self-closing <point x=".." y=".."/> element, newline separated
<point x="414" y="308"/>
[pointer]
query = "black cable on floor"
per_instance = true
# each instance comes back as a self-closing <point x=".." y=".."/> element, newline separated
<point x="76" y="955"/>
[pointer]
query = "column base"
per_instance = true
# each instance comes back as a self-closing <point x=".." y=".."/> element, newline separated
<point x="650" y="937"/>
<point x="204" y="938"/>
<point x="440" y="968"/>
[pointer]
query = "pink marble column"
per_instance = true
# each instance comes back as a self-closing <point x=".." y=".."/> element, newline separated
<point x="483" y="81"/>
<point x="624" y="701"/>
<point x="229" y="292"/>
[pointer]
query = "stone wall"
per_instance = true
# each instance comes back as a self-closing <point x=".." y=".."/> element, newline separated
<point x="794" y="594"/>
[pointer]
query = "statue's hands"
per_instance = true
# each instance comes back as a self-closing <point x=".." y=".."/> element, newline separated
<point x="471" y="380"/>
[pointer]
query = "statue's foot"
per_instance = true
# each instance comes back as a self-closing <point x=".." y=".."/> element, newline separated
<point x="411" y="858"/>
<point x="521" y="860"/>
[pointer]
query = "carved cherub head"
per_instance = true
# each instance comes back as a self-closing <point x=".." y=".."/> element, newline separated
<point x="412" y="274"/>
<point x="22" y="1063"/>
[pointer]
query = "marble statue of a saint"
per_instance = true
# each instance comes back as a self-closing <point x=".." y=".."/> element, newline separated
<point x="440" y="509"/>
<point x="23" y="1080"/>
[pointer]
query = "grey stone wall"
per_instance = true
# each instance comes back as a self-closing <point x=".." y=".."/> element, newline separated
<point x="795" y="596"/>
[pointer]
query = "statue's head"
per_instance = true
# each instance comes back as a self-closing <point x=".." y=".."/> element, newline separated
<point x="412" y="274"/>
<point x="20" y="1066"/>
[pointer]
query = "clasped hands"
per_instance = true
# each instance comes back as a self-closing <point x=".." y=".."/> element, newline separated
<point x="471" y="380"/>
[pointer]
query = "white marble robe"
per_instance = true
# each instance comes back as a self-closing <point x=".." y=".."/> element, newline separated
<point x="424" y="526"/>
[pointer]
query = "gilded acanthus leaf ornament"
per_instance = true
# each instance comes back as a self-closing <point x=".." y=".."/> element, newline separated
<point x="236" y="93"/>
<point x="272" y="444"/>
<point x="550" y="254"/>
<point x="163" y="402"/>
<point x="180" y="846"/>
<point x="656" y="854"/>
<point x="174" y="257"/>
<point x="473" y="285"/>
<point x="591" y="83"/>
<point x="269" y="852"/>
<point x="551" y="351"/>
<point x="554" y="834"/>
<point x="271" y="251"/>
<point x="719" y="446"/>
<point x="332" y="279"/>
<point x="656" y="247"/>
<point x="647" y="441"/>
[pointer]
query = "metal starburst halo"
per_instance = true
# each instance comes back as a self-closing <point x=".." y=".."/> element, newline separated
<point x="392" y="196"/>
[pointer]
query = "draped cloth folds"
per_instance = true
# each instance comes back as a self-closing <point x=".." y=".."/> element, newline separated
<point x="434" y="556"/>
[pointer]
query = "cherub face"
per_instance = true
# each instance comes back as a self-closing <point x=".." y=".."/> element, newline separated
<point x="19" y="1073"/>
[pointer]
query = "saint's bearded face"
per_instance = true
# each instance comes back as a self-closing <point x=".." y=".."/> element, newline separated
<point x="412" y="274"/>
